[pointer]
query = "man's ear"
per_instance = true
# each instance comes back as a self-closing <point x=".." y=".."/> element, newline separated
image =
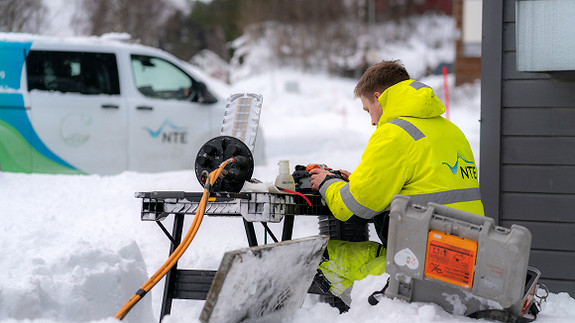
<point x="376" y="95"/>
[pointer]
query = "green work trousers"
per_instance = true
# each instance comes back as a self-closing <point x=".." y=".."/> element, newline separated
<point x="352" y="261"/>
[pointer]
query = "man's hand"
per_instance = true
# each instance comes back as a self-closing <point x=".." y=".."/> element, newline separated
<point x="344" y="174"/>
<point x="317" y="177"/>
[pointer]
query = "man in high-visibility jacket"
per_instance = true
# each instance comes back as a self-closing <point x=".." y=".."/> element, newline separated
<point x="413" y="151"/>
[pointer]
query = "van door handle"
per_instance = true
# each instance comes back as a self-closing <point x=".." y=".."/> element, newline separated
<point x="110" y="106"/>
<point x="144" y="107"/>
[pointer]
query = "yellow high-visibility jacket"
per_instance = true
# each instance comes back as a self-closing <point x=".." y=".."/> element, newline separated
<point x="415" y="152"/>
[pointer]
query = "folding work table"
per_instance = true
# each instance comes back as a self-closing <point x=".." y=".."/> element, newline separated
<point x="251" y="206"/>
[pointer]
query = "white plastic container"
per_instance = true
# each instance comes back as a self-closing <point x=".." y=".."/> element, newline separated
<point x="285" y="179"/>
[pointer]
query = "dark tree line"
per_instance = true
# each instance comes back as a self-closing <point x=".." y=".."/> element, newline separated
<point x="212" y="25"/>
<point x="22" y="15"/>
<point x="142" y="19"/>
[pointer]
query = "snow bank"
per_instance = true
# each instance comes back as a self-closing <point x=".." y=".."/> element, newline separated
<point x="72" y="280"/>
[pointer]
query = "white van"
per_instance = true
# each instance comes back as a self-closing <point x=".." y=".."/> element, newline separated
<point x="100" y="106"/>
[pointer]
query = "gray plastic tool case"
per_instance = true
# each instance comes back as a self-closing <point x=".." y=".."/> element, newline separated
<point x="459" y="260"/>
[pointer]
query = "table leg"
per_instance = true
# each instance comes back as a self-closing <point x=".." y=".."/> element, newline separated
<point x="171" y="275"/>
<point x="288" y="227"/>
<point x="251" y="233"/>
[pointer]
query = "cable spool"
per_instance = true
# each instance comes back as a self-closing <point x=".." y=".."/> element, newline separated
<point x="217" y="150"/>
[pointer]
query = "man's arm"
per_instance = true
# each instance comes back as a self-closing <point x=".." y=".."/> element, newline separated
<point x="382" y="173"/>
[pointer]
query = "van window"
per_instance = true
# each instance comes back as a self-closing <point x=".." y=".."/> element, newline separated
<point x="80" y="72"/>
<point x="158" y="78"/>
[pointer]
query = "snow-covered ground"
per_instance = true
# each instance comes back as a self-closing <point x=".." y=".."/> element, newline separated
<point x="73" y="248"/>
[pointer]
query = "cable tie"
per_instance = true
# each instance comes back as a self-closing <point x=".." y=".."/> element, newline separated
<point x="141" y="293"/>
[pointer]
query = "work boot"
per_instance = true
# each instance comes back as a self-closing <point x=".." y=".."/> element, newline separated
<point x="320" y="284"/>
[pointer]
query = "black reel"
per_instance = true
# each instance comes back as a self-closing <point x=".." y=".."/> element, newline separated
<point x="216" y="151"/>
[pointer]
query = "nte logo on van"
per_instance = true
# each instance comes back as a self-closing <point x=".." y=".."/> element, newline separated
<point x="168" y="132"/>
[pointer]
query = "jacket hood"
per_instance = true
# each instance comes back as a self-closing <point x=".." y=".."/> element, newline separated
<point x="409" y="99"/>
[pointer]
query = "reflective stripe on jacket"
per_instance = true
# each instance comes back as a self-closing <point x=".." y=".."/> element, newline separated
<point x="415" y="152"/>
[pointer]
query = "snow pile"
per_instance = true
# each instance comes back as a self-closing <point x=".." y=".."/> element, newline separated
<point x="55" y="263"/>
<point x="76" y="284"/>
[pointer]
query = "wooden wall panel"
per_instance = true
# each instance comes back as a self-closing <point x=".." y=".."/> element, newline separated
<point x="538" y="207"/>
<point x="538" y="151"/>
<point x="554" y="264"/>
<point x="538" y="179"/>
<point x="538" y="93"/>
<point x="510" y="69"/>
<point x="548" y="236"/>
<point x="557" y="122"/>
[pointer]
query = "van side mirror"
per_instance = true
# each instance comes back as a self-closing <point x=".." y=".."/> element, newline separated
<point x="203" y="95"/>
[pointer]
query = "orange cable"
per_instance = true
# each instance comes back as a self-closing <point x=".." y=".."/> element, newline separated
<point x="179" y="251"/>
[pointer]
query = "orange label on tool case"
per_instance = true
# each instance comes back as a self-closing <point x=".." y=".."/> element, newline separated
<point x="450" y="258"/>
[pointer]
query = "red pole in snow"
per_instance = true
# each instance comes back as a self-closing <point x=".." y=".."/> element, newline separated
<point x="446" y="91"/>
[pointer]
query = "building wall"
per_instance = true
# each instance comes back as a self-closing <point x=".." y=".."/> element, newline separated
<point x="467" y="65"/>
<point x="527" y="160"/>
